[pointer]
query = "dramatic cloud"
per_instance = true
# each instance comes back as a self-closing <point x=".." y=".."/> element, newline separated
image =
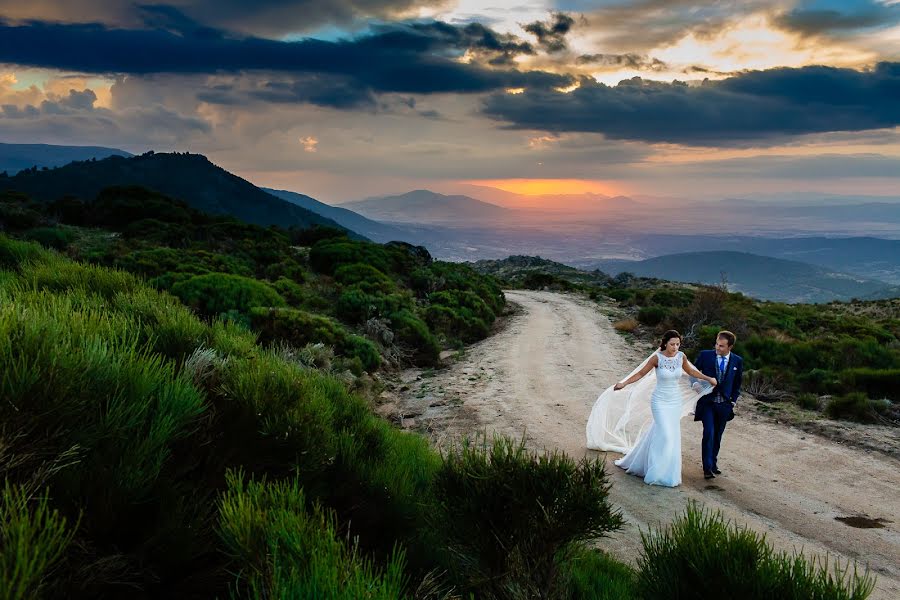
<point x="552" y="36"/>
<point x="262" y="17"/>
<point x="814" y="17"/>
<point x="753" y="107"/>
<point x="420" y="58"/>
<point x="618" y="61"/>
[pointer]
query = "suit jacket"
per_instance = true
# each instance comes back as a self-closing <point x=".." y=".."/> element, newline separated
<point x="730" y="387"/>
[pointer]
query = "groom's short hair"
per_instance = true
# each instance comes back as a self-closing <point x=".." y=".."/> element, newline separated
<point x="728" y="337"/>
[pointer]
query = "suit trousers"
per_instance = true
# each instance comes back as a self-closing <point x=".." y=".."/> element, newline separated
<point x="714" y="419"/>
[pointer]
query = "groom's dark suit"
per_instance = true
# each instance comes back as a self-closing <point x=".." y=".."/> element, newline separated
<point x="717" y="408"/>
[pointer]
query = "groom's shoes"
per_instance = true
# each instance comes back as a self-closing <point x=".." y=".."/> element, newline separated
<point x="716" y="471"/>
<point x="708" y="475"/>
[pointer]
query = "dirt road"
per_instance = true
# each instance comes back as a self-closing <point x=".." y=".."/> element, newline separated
<point x="541" y="375"/>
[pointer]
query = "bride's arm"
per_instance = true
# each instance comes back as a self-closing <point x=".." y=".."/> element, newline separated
<point x="651" y="364"/>
<point x="691" y="370"/>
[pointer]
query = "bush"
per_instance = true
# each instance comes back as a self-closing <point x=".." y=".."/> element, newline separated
<point x="807" y="401"/>
<point x="702" y="556"/>
<point x="218" y="293"/>
<point x="283" y="549"/>
<point x="592" y="575"/>
<point x="366" y="277"/>
<point x="459" y="314"/>
<point x="652" y="315"/>
<point x="300" y="328"/>
<point x="875" y="383"/>
<point x="13" y="253"/>
<point x="32" y="540"/>
<point x="292" y="292"/>
<point x="356" y="305"/>
<point x="51" y="237"/>
<point x="856" y="406"/>
<point x="511" y="517"/>
<point x="413" y="335"/>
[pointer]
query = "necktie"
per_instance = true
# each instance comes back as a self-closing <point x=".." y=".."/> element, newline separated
<point x="721" y="368"/>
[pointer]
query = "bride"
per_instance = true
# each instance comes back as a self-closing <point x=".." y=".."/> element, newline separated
<point x="648" y="433"/>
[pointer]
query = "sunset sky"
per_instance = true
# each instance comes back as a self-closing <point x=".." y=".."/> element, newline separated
<point x="343" y="99"/>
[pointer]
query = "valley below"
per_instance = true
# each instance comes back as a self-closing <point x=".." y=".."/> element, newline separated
<point x="552" y="357"/>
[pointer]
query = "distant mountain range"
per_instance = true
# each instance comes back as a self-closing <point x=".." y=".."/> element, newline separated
<point x="761" y="277"/>
<point x="870" y="257"/>
<point x="15" y="157"/>
<point x="188" y="177"/>
<point x="424" y="206"/>
<point x="375" y="231"/>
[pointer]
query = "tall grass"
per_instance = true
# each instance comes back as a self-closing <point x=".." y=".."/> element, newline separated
<point x="33" y="538"/>
<point x="286" y="549"/>
<point x="703" y="556"/>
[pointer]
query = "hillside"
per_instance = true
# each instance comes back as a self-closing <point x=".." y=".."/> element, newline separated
<point x="375" y="231"/>
<point x="15" y="157"/>
<point x="534" y="271"/>
<point x="869" y="257"/>
<point x="424" y="206"/>
<point x="188" y="177"/>
<point x="761" y="277"/>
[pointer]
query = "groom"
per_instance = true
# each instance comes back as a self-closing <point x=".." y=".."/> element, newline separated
<point x="717" y="408"/>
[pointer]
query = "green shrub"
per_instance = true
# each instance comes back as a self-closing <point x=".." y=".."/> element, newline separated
<point x="283" y="549"/>
<point x="511" y="517"/>
<point x="807" y="401"/>
<point x="856" y="406"/>
<point x="299" y="328"/>
<point x="593" y="575"/>
<point x="621" y="295"/>
<point x="459" y="314"/>
<point x="672" y="298"/>
<point x="291" y="291"/>
<point x="118" y="207"/>
<point x="57" y="274"/>
<point x="51" y="237"/>
<point x="702" y="556"/>
<point x="366" y="277"/>
<point x="32" y="540"/>
<point x="16" y="214"/>
<point x="412" y="334"/>
<point x="287" y="268"/>
<point x="218" y="293"/>
<point x="13" y="253"/>
<point x="875" y="383"/>
<point x="652" y="315"/>
<point x="356" y="305"/>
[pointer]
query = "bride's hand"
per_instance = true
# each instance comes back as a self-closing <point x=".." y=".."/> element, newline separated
<point x="712" y="381"/>
<point x="618" y="386"/>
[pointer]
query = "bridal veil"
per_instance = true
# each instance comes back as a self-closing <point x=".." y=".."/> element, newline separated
<point x="620" y="417"/>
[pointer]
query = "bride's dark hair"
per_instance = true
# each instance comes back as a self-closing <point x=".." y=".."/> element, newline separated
<point x="668" y="336"/>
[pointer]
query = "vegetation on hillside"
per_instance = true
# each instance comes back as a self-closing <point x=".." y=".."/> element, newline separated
<point x="842" y="358"/>
<point x="372" y="303"/>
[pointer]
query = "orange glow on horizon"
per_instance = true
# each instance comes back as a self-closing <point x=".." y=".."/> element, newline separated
<point x="539" y="187"/>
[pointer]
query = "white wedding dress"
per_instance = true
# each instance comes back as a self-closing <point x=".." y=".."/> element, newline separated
<point x="643" y="421"/>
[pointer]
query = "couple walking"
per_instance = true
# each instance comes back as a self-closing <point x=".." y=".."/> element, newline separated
<point x="640" y="416"/>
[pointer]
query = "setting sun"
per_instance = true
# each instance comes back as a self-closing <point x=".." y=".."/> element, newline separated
<point x="538" y="187"/>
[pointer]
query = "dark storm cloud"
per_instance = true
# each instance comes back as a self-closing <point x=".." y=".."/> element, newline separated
<point x="752" y="108"/>
<point x="406" y="58"/>
<point x="260" y="17"/>
<point x="817" y="16"/>
<point x="552" y="36"/>
<point x="630" y="60"/>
